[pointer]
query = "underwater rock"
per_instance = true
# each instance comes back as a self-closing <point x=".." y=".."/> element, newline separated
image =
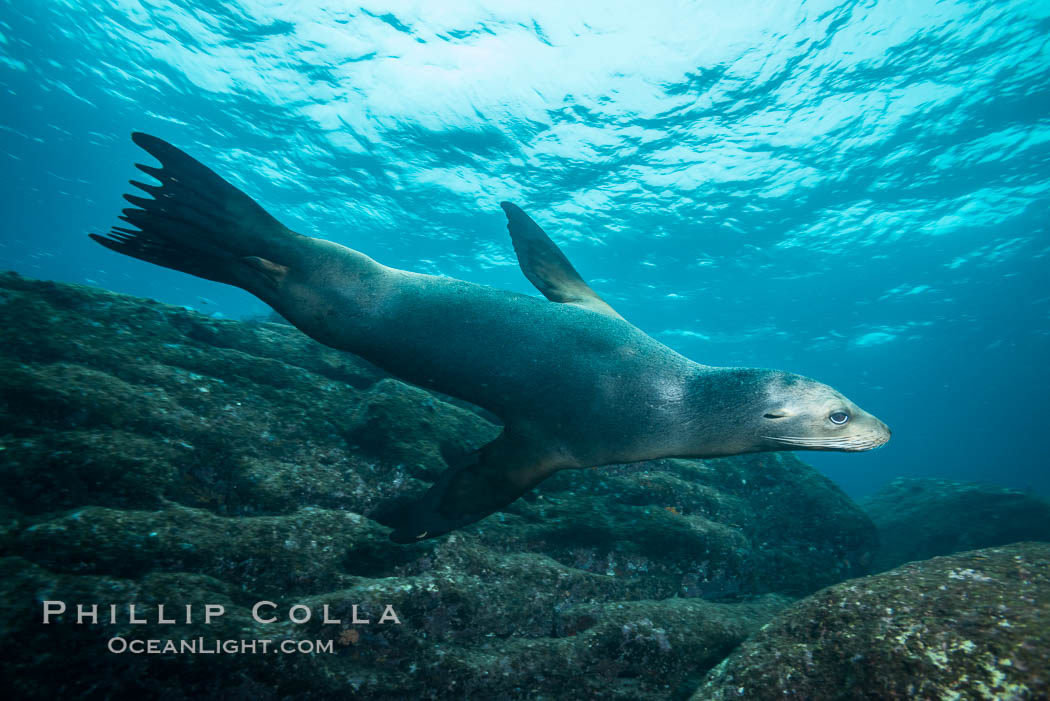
<point x="151" y="454"/>
<point x="922" y="518"/>
<point x="969" y="626"/>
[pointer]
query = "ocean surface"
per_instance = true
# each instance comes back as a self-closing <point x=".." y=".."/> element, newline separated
<point x="858" y="192"/>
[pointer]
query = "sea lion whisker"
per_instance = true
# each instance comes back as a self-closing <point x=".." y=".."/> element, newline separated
<point x="864" y="441"/>
<point x="808" y="439"/>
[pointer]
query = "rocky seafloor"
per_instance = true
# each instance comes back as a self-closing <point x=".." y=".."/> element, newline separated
<point x="153" y="455"/>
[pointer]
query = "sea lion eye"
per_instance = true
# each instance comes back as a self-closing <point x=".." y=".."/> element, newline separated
<point x="839" y="417"/>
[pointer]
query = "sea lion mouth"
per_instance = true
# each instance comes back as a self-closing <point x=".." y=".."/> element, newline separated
<point x="852" y="444"/>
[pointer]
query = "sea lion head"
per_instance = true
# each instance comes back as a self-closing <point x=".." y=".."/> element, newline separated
<point x="802" y="414"/>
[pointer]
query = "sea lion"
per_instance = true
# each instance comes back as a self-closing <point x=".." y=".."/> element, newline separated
<point x="573" y="382"/>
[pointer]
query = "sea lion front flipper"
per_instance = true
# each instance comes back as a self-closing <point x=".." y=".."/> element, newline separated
<point x="546" y="266"/>
<point x="481" y="483"/>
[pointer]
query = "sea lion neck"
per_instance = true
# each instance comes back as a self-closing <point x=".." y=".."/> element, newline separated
<point x="722" y="405"/>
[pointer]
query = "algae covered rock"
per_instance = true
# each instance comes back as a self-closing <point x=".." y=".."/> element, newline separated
<point x="922" y="518"/>
<point x="969" y="626"/>
<point x="152" y="455"/>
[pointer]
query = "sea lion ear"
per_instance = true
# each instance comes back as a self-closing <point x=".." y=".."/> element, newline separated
<point x="780" y="413"/>
<point x="546" y="266"/>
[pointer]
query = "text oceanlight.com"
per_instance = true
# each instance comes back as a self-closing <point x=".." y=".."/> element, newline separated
<point x="202" y="646"/>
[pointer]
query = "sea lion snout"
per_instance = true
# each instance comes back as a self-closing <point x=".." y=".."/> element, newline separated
<point x="876" y="434"/>
<point x="876" y="437"/>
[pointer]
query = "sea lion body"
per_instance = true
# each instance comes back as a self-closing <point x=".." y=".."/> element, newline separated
<point x="574" y="383"/>
<point x="551" y="369"/>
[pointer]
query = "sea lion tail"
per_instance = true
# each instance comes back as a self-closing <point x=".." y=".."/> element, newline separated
<point x="200" y="224"/>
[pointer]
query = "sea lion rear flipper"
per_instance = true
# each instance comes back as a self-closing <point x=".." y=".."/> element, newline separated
<point x="546" y="266"/>
<point x="481" y="483"/>
<point x="200" y="224"/>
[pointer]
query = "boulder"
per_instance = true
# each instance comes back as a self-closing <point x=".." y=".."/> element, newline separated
<point x="969" y="626"/>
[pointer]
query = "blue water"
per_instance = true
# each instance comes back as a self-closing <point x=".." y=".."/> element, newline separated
<point x="856" y="192"/>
